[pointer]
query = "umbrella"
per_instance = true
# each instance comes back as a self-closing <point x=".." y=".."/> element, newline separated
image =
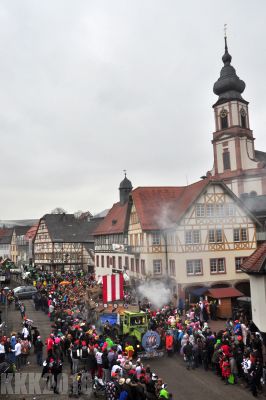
<point x="65" y="283"/>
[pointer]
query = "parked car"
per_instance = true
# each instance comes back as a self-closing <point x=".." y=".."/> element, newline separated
<point x="24" y="292"/>
<point x="15" y="271"/>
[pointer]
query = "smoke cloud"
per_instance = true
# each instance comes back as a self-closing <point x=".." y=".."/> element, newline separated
<point x="156" y="292"/>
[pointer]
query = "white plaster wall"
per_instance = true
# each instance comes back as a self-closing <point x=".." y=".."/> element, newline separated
<point x="258" y="300"/>
<point x="207" y="277"/>
<point x="246" y="149"/>
<point x="231" y="149"/>
<point x="235" y="114"/>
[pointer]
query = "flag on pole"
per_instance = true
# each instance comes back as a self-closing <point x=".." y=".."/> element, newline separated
<point x="113" y="287"/>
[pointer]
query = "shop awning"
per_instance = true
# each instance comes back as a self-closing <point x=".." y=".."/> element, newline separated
<point x="221" y="293"/>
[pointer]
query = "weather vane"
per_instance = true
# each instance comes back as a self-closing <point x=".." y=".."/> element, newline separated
<point x="125" y="172"/>
<point x="225" y="30"/>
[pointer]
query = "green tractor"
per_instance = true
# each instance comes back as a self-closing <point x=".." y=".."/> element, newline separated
<point x="134" y="324"/>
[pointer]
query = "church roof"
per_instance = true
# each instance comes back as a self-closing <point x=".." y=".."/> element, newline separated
<point x="256" y="262"/>
<point x="125" y="184"/>
<point x="260" y="156"/>
<point x="228" y="86"/>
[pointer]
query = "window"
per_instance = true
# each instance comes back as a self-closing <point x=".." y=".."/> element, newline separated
<point x="137" y="265"/>
<point x="114" y="263"/>
<point x="108" y="261"/>
<point x="194" y="267"/>
<point x="219" y="210"/>
<point x="157" y="267"/>
<point x="243" y="119"/>
<point x="120" y="262"/>
<point x="219" y="235"/>
<point x="236" y="235"/>
<point x="240" y="235"/>
<point x="97" y="261"/>
<point x="142" y="266"/>
<point x="172" y="267"/>
<point x="200" y="210"/>
<point x="224" y="119"/>
<point x="230" y="209"/>
<point x="216" y="235"/>
<point x="196" y="236"/>
<point x="192" y="237"/>
<point x="226" y="160"/>
<point x="244" y="236"/>
<point x="102" y="261"/>
<point x="156" y="239"/>
<point x="217" y="266"/>
<point x="211" y="235"/>
<point x="126" y="262"/>
<point x="238" y="262"/>
<point x="188" y="237"/>
<point x="210" y="212"/>
<point x="132" y="264"/>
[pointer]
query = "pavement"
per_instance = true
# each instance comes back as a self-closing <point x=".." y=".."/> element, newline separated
<point x="183" y="384"/>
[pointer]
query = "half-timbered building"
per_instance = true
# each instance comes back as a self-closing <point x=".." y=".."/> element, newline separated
<point x="192" y="236"/>
<point x="64" y="242"/>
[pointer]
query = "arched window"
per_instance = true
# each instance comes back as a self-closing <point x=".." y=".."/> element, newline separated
<point x="226" y="159"/>
<point x="224" y="119"/>
<point x="243" y="118"/>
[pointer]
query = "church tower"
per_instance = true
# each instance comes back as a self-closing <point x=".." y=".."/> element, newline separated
<point x="235" y="159"/>
<point x="125" y="188"/>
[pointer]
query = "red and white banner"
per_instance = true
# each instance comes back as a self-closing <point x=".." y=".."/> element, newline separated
<point x="113" y="287"/>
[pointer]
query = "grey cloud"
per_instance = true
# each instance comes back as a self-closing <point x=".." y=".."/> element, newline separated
<point x="88" y="88"/>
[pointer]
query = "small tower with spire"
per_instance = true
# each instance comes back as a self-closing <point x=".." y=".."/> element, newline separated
<point x="233" y="142"/>
<point x="125" y="189"/>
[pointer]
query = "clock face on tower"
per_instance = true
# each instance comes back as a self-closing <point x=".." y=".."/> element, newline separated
<point x="242" y="112"/>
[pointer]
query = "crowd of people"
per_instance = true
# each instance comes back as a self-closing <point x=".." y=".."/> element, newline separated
<point x="100" y="356"/>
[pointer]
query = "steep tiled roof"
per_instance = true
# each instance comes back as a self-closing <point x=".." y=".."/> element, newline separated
<point x="31" y="232"/>
<point x="115" y="220"/>
<point x="21" y="230"/>
<point x="221" y="293"/>
<point x="162" y="207"/>
<point x="68" y="228"/>
<point x="6" y="235"/>
<point x="256" y="262"/>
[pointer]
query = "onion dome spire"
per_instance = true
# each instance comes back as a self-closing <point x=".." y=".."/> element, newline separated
<point x="228" y="86"/>
<point x="125" y="188"/>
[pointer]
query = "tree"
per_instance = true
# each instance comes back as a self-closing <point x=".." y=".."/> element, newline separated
<point x="58" y="210"/>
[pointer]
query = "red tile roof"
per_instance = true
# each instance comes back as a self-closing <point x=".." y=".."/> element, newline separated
<point x="114" y="222"/>
<point x="256" y="261"/>
<point x="221" y="293"/>
<point x="30" y="234"/>
<point x="162" y="207"/>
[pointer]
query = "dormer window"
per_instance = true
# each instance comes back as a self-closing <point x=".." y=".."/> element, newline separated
<point x="224" y="119"/>
<point x="243" y="118"/>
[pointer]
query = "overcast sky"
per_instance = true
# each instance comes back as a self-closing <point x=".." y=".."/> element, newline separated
<point x="89" y="88"/>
